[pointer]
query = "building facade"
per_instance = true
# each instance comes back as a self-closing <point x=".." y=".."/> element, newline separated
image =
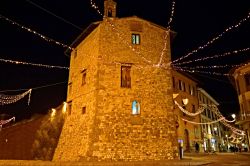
<point x="185" y="87"/>
<point x="242" y="84"/>
<point x="211" y="132"/>
<point x="120" y="105"/>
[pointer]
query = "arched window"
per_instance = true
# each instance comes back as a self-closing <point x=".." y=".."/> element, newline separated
<point x="135" y="107"/>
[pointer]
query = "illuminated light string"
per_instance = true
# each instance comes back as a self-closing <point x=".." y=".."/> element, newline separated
<point x="198" y="71"/>
<point x="172" y="14"/>
<point x="9" y="99"/>
<point x="209" y="67"/>
<point x="34" y="88"/>
<point x="221" y="119"/>
<point x="35" y="33"/>
<point x="93" y="5"/>
<point x="32" y="64"/>
<point x="164" y="49"/>
<point x="215" y="109"/>
<point x="200" y="110"/>
<point x="200" y="123"/>
<point x="215" y="38"/>
<point x="215" y="56"/>
<point x="235" y="130"/>
<point x="3" y="122"/>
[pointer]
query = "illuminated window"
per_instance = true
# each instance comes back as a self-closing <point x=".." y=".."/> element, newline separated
<point x="182" y="85"/>
<point x="83" y="110"/>
<point x="135" y="107"/>
<point x="84" y="75"/>
<point x="135" y="39"/>
<point x="125" y="76"/>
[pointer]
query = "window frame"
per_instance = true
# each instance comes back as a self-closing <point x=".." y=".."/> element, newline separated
<point x="136" y="38"/>
<point x="126" y="78"/>
<point x="136" y="105"/>
<point x="84" y="77"/>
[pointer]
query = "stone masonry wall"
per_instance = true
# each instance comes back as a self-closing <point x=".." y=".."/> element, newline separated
<point x="108" y="131"/>
<point x="119" y="135"/>
<point x="74" y="140"/>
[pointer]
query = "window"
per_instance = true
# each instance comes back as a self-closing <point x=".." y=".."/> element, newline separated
<point x="125" y="76"/>
<point x="196" y="132"/>
<point x="135" y="107"/>
<point x="75" y="53"/>
<point x="191" y="90"/>
<point x="69" y="107"/>
<point x="84" y="75"/>
<point x="179" y="84"/>
<point x="182" y="85"/>
<point x="83" y="110"/>
<point x="173" y="82"/>
<point x="70" y="88"/>
<point x="193" y="108"/>
<point x="247" y="79"/>
<point x="110" y="12"/>
<point x="135" y="39"/>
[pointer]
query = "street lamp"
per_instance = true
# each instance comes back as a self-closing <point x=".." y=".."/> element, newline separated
<point x="233" y="116"/>
<point x="185" y="101"/>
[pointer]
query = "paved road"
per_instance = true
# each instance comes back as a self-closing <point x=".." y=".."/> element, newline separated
<point x="225" y="159"/>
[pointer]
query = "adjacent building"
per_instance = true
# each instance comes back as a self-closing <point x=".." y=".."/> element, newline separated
<point x="120" y="105"/>
<point x="211" y="128"/>
<point x="185" y="88"/>
<point x="241" y="81"/>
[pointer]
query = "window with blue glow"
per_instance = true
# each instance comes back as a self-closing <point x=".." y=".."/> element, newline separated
<point x="135" y="107"/>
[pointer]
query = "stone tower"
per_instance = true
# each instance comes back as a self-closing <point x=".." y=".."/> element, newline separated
<point x="109" y="8"/>
<point x="120" y="105"/>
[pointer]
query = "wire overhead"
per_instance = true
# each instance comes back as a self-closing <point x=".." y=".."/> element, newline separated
<point x="53" y="14"/>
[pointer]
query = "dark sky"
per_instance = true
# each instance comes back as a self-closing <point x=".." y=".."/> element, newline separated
<point x="195" y="21"/>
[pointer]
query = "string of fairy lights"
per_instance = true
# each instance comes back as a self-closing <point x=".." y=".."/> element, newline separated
<point x="93" y="5"/>
<point x="199" y="71"/>
<point x="50" y="40"/>
<point x="212" y="57"/>
<point x="9" y="99"/>
<point x="32" y="64"/>
<point x="237" y="25"/>
<point x="199" y="111"/>
<point x="3" y="122"/>
<point x="172" y="15"/>
<point x="214" y="109"/>
<point x="211" y="67"/>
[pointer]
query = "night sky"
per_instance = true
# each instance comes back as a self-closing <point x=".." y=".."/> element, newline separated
<point x="195" y="22"/>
